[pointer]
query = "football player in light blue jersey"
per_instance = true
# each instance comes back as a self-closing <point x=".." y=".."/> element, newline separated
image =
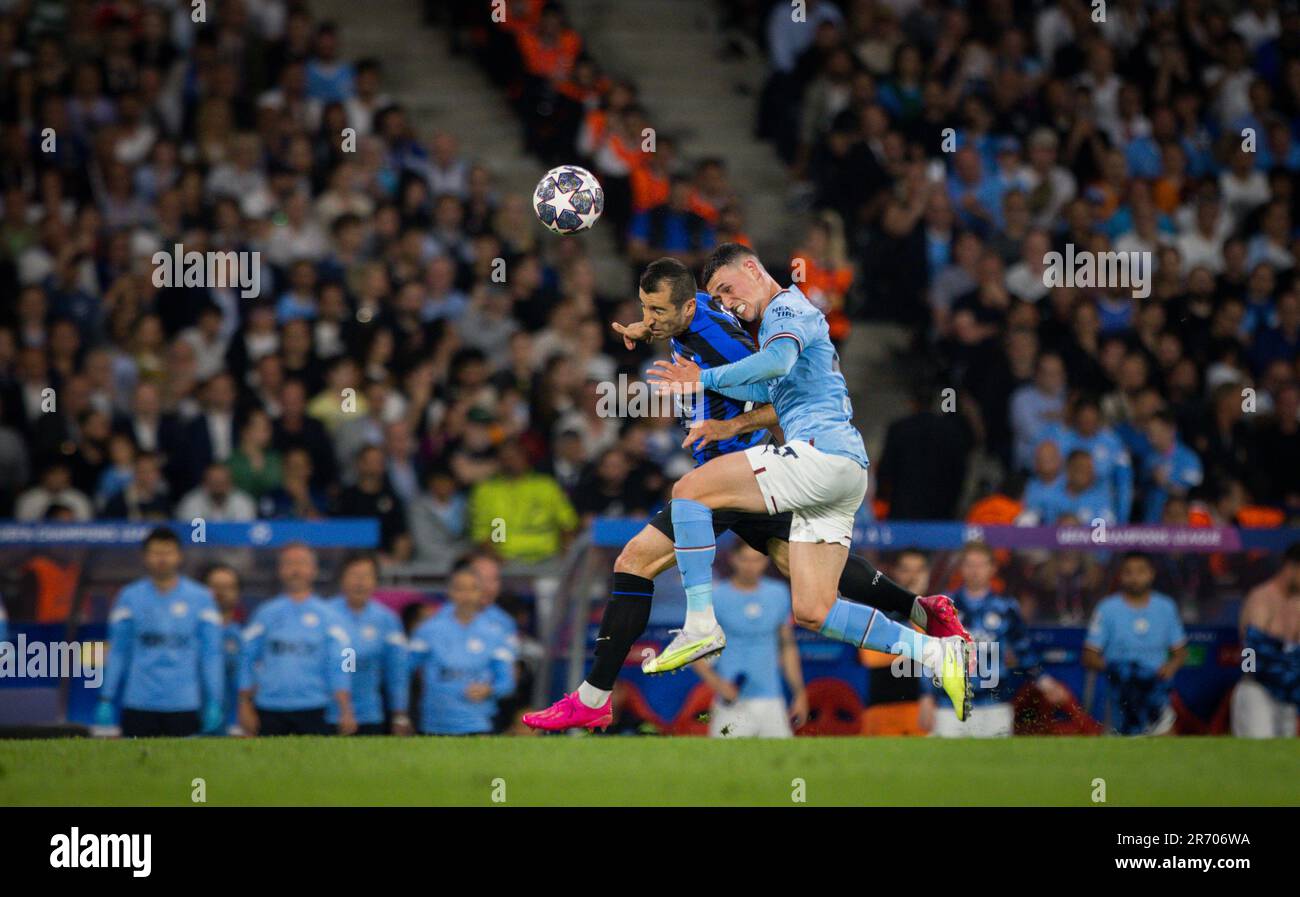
<point x="380" y="671"/>
<point x="819" y="475"/>
<point x="748" y="700"/>
<point x="164" y="661"/>
<point x="292" y="661"/>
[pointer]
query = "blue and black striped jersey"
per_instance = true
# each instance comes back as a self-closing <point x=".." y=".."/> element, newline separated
<point x="715" y="337"/>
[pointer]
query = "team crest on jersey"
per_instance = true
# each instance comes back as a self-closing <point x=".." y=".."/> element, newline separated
<point x="753" y="610"/>
<point x="369" y="633"/>
<point x="1140" y="625"/>
<point x="310" y="619"/>
<point x="992" y="620"/>
<point x="180" y="608"/>
<point x="475" y="646"/>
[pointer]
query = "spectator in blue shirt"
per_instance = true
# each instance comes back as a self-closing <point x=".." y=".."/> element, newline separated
<point x="292" y="661"/>
<point x="1281" y="340"/>
<point x="1078" y="494"/>
<point x="1037" y="406"/>
<point x="1110" y="458"/>
<point x="1169" y="467"/>
<point x="465" y="662"/>
<point x="329" y="79"/>
<point x="379" y="668"/>
<point x="1040" y="498"/>
<point x="976" y="195"/>
<point x="164" y="658"/>
<point x="1137" y="640"/>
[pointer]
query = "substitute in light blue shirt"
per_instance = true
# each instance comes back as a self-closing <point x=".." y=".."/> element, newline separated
<point x="466" y="662"/>
<point x="752" y="619"/>
<point x="1144" y="634"/>
<point x="748" y="699"/>
<point x="292" y="657"/>
<point x="164" y="647"/>
<point x="380" y="665"/>
<point x="1136" y="639"/>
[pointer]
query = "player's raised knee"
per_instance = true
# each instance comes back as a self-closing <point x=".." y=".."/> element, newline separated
<point x="630" y="560"/>
<point x="808" y="613"/>
<point x="690" y="486"/>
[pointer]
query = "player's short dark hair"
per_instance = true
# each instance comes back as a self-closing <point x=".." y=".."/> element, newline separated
<point x="978" y="548"/>
<point x="219" y="567"/>
<point x="1137" y="556"/>
<point x="912" y="551"/>
<point x="161" y="534"/>
<point x="726" y="254"/>
<point x="360" y="557"/>
<point x="1167" y="417"/>
<point x="670" y="273"/>
<point x="1085" y="400"/>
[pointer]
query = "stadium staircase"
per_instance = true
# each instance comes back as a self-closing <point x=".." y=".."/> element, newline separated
<point x="695" y="93"/>
<point x="441" y="91"/>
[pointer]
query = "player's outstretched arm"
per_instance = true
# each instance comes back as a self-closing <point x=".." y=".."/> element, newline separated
<point x="729" y="379"/>
<point x="770" y="363"/>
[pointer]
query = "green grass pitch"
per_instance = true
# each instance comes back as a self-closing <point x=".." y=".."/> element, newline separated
<point x="591" y="771"/>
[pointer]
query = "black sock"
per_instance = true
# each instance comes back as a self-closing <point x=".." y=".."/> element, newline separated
<point x="624" y="620"/>
<point x="862" y="583"/>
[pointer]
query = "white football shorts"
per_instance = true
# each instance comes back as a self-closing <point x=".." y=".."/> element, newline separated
<point x="822" y="491"/>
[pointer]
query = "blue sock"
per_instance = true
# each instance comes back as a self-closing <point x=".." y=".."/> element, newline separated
<point x="695" y="544"/>
<point x="866" y="627"/>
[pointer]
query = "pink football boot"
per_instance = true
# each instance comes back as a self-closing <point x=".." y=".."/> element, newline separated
<point x="941" y="617"/>
<point x="570" y="713"/>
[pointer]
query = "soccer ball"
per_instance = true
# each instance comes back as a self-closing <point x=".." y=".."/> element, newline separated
<point x="568" y="199"/>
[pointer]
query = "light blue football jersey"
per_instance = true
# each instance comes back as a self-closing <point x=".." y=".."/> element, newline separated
<point x="812" y="399"/>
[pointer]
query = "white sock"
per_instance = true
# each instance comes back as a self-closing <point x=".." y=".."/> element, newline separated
<point x="592" y="696"/>
<point x="931" y="652"/>
<point x="700" y="621"/>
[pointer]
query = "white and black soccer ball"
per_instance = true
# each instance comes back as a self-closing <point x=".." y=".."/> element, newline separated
<point x="568" y="199"/>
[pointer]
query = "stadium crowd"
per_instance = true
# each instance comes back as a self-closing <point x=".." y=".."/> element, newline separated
<point x="381" y="371"/>
<point x="384" y="372"/>
<point x="959" y="146"/>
